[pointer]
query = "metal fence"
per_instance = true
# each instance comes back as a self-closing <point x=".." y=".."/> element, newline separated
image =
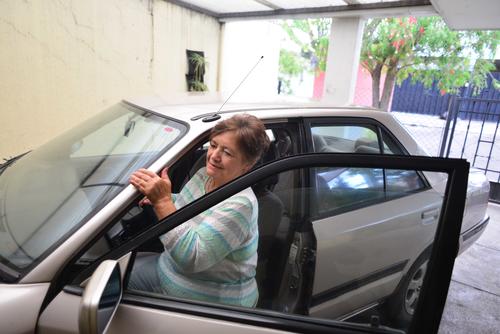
<point x="462" y="126"/>
<point x="413" y="97"/>
<point x="471" y="132"/>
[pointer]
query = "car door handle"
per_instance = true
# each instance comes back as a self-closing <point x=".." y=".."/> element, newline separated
<point x="430" y="216"/>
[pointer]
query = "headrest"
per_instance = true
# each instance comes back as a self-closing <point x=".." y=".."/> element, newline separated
<point x="366" y="149"/>
<point x="319" y="142"/>
<point x="363" y="141"/>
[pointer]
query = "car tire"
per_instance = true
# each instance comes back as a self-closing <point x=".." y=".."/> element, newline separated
<point x="402" y="304"/>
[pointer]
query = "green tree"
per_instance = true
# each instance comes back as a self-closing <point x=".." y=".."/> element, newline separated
<point x="428" y="51"/>
<point x="290" y="65"/>
<point x="311" y="35"/>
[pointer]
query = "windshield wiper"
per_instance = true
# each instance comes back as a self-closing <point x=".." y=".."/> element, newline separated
<point x="10" y="161"/>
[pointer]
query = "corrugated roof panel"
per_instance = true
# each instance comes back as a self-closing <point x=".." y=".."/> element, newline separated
<point x="228" y="6"/>
<point x="375" y="1"/>
<point x="292" y="4"/>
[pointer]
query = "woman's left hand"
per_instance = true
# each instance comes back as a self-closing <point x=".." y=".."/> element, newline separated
<point x="157" y="189"/>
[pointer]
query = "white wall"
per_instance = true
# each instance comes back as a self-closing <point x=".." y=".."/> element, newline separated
<point x="63" y="61"/>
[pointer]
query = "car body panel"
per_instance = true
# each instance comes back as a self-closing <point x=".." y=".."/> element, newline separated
<point x="61" y="315"/>
<point x="346" y="246"/>
<point x="20" y="305"/>
<point x="135" y="319"/>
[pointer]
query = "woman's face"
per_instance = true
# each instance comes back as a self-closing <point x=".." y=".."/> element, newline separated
<point x="225" y="161"/>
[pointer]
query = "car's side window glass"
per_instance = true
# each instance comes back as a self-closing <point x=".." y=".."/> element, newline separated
<point x="341" y="189"/>
<point x="344" y="189"/>
<point x="193" y="246"/>
<point x="345" y="138"/>
<point x="400" y="182"/>
<point x="236" y="252"/>
<point x="287" y="261"/>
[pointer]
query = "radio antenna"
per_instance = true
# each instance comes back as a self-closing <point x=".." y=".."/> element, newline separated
<point x="234" y="91"/>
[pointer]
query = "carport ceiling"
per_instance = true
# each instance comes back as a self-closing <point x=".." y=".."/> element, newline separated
<point x="458" y="14"/>
<point x="228" y="10"/>
<point x="468" y="14"/>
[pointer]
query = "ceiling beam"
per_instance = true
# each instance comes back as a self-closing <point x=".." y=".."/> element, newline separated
<point x="353" y="8"/>
<point x="268" y="4"/>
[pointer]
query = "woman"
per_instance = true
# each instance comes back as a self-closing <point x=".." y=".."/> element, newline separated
<point x="213" y="256"/>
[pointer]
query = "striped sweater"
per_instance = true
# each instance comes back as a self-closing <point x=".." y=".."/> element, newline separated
<point x="213" y="256"/>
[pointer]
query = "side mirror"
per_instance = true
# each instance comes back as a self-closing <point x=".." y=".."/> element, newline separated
<point x="100" y="298"/>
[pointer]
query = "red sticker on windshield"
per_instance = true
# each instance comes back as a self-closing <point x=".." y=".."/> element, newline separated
<point x="167" y="129"/>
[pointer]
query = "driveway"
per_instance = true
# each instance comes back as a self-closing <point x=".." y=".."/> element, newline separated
<point x="473" y="304"/>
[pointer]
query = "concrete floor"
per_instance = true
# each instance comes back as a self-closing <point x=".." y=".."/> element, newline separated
<point x="473" y="304"/>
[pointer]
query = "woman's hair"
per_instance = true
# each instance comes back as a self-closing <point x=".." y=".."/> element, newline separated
<point x="250" y="132"/>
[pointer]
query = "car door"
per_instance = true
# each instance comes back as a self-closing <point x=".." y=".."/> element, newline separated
<point x="352" y="207"/>
<point x="142" y="311"/>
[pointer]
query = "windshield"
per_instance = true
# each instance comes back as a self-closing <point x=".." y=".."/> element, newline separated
<point x="51" y="191"/>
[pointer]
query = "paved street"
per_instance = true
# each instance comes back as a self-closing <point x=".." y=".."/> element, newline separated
<point x="473" y="304"/>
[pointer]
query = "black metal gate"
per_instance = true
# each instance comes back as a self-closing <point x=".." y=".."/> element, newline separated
<point x="471" y="132"/>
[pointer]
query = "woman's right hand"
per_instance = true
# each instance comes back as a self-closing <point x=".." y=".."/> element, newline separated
<point x="156" y="188"/>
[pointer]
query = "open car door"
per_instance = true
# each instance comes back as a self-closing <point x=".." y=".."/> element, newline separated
<point x="302" y="301"/>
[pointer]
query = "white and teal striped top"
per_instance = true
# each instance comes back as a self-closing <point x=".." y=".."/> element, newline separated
<point x="213" y="256"/>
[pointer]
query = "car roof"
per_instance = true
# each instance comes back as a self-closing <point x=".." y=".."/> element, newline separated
<point x="195" y="112"/>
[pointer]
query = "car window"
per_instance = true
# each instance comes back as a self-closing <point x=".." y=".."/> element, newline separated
<point x="340" y="190"/>
<point x="400" y="182"/>
<point x="344" y="138"/>
<point x="276" y="202"/>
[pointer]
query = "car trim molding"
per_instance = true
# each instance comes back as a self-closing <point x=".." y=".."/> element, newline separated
<point x="253" y="317"/>
<point x="476" y="229"/>
<point x="349" y="286"/>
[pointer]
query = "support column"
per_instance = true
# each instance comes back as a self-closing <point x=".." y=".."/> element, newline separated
<point x="343" y="60"/>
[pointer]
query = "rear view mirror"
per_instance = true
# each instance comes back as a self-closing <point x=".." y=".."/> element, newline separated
<point x="100" y="298"/>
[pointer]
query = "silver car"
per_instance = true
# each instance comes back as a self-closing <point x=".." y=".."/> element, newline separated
<point x="338" y="239"/>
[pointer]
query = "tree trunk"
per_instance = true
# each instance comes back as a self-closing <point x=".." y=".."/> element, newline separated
<point x="377" y="71"/>
<point x="387" y="91"/>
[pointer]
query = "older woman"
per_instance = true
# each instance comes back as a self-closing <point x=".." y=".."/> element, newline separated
<point x="213" y="256"/>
